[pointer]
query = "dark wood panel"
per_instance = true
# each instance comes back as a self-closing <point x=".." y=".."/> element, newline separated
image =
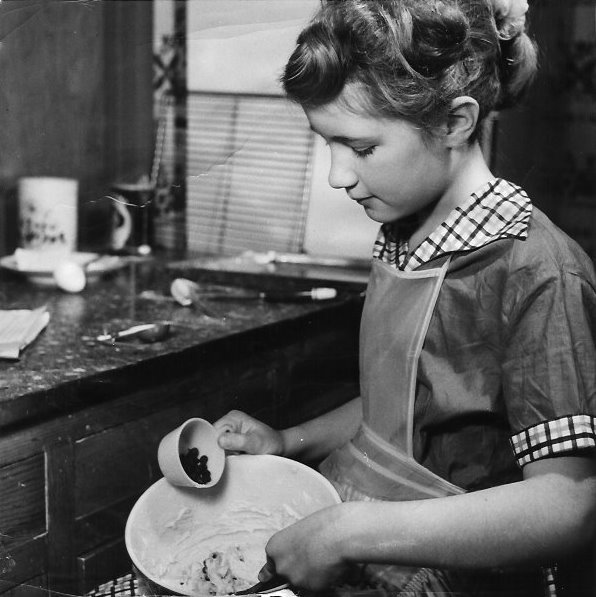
<point x="29" y="564"/>
<point x="32" y="587"/>
<point x="22" y="494"/>
<point x="52" y="88"/>
<point x="103" y="526"/>
<point x="106" y="561"/>
<point x="128" y="88"/>
<point x="119" y="462"/>
<point x="60" y="480"/>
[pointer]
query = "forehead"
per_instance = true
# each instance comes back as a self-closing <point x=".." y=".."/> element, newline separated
<point x="350" y="116"/>
<point x="335" y="119"/>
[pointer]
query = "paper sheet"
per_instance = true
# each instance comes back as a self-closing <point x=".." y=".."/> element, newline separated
<point x="18" y="328"/>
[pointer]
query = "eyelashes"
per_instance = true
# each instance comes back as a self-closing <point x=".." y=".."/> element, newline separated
<point x="360" y="153"/>
<point x="363" y="153"/>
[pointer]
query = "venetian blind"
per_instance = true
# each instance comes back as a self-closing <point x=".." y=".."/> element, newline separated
<point x="247" y="173"/>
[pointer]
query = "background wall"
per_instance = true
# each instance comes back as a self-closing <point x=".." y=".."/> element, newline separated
<point x="240" y="46"/>
<point x="548" y="145"/>
<point x="75" y="100"/>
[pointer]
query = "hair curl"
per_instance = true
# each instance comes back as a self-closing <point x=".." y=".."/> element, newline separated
<point x="409" y="58"/>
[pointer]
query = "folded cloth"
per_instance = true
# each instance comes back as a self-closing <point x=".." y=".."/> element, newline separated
<point x="18" y="328"/>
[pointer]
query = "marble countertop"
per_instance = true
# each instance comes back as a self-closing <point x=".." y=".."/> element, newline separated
<point x="67" y="366"/>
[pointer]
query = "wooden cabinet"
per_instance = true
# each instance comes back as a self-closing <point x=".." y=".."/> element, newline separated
<point x="23" y="518"/>
<point x="68" y="482"/>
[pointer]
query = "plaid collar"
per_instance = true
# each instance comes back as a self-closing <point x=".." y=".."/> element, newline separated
<point x="498" y="210"/>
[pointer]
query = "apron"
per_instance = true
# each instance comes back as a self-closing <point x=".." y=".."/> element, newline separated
<point x="378" y="463"/>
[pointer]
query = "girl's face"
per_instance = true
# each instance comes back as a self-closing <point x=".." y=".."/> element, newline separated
<point x="385" y="165"/>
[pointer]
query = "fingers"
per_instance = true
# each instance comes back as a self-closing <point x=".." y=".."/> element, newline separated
<point x="231" y="421"/>
<point x="250" y="442"/>
<point x="231" y="431"/>
<point x="240" y="432"/>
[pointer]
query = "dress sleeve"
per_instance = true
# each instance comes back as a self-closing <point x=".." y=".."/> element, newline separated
<point x="549" y="367"/>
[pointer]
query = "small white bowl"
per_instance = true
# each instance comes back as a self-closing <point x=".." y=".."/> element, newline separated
<point x="189" y="456"/>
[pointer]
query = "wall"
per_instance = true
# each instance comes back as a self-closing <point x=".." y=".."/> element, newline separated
<point x="548" y="145"/>
<point x="75" y="100"/>
<point x="240" y="46"/>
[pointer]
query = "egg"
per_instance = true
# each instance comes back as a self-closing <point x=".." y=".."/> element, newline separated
<point x="70" y="277"/>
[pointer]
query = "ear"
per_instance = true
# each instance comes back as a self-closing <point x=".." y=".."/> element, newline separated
<point x="461" y="121"/>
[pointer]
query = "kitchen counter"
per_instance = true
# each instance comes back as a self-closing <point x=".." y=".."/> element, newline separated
<point x="66" y="366"/>
<point x="80" y="419"/>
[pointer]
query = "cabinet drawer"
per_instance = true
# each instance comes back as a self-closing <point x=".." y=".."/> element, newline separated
<point x="26" y="560"/>
<point x="33" y="587"/>
<point x="119" y="462"/>
<point x="22" y="503"/>
<point x="102" y="564"/>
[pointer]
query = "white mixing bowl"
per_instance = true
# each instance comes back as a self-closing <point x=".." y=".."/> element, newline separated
<point x="171" y="529"/>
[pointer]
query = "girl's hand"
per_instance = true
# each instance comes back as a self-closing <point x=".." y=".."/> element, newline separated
<point x="309" y="552"/>
<point x="240" y="432"/>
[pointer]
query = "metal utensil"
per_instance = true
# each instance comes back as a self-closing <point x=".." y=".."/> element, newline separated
<point x="275" y="296"/>
<point x="275" y="583"/>
<point x="186" y="293"/>
<point x="147" y="332"/>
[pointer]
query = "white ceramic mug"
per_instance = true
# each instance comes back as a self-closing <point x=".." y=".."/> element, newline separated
<point x="48" y="212"/>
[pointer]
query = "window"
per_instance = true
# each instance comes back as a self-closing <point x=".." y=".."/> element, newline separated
<point x="248" y="163"/>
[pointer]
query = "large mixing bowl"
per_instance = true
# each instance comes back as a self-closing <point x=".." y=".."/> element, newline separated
<point x="172" y="531"/>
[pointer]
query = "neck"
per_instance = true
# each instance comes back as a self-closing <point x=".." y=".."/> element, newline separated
<point x="468" y="172"/>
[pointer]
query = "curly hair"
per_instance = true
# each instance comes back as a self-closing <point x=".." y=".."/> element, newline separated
<point x="409" y="58"/>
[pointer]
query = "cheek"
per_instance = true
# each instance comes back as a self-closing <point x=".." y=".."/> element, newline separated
<point x="386" y="176"/>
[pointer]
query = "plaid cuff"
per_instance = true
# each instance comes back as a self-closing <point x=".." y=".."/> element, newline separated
<point x="125" y="586"/>
<point x="554" y="438"/>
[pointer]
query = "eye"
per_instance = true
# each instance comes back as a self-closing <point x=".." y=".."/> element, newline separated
<point x="363" y="153"/>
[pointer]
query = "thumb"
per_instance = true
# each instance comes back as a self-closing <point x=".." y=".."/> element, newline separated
<point x="267" y="571"/>
<point x="232" y="441"/>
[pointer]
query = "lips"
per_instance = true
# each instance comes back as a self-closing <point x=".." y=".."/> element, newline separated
<point x="360" y="199"/>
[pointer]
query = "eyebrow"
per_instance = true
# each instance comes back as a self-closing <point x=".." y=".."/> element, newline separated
<point x="346" y="140"/>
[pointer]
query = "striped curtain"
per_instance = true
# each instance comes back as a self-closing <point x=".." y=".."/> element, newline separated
<point x="247" y="173"/>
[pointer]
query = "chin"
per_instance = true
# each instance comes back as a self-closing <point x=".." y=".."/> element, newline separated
<point x="378" y="216"/>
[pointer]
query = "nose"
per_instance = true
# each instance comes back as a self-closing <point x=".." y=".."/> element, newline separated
<point x="341" y="172"/>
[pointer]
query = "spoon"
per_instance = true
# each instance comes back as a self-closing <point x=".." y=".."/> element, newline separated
<point x="186" y="293"/>
<point x="147" y="332"/>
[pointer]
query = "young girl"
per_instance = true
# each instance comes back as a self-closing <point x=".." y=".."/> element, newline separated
<point x="467" y="465"/>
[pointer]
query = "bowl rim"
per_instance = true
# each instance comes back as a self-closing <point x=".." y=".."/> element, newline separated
<point x="155" y="486"/>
